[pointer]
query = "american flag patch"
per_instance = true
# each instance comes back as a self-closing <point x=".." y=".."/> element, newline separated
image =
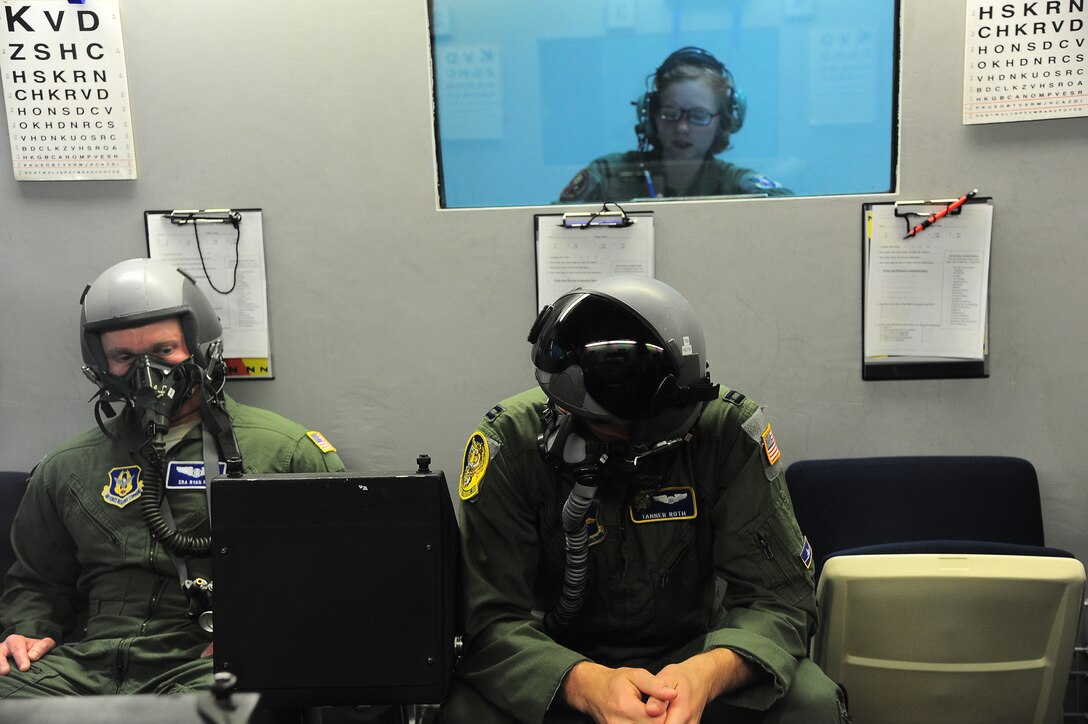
<point x="770" y="447"/>
<point x="321" y="441"/>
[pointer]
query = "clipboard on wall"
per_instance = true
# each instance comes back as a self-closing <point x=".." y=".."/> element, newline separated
<point x="925" y="295"/>
<point x="223" y="251"/>
<point x="576" y="249"/>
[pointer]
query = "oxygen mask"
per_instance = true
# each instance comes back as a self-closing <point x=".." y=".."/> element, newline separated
<point x="569" y="444"/>
<point x="157" y="390"/>
<point x="154" y="389"/>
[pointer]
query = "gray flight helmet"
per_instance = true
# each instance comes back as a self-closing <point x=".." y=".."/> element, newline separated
<point x="626" y="348"/>
<point x="140" y="291"/>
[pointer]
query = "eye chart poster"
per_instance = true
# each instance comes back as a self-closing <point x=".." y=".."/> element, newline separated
<point x="65" y="89"/>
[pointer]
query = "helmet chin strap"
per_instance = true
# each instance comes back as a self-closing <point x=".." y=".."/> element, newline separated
<point x="568" y="443"/>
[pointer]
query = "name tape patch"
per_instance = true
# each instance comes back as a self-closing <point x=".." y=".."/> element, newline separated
<point x="188" y="475"/>
<point x="664" y="505"/>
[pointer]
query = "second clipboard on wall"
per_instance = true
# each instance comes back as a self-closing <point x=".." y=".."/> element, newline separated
<point x="925" y="289"/>
<point x="578" y="249"/>
<point x="223" y="251"/>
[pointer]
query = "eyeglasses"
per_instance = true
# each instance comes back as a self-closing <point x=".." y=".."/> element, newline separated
<point x="695" y="116"/>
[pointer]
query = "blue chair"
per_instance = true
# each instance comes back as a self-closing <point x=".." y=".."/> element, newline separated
<point x="12" y="487"/>
<point x="848" y="503"/>
<point x="939" y="600"/>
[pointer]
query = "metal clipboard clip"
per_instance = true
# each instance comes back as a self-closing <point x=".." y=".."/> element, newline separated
<point x="205" y="216"/>
<point x="604" y="218"/>
<point x="952" y="207"/>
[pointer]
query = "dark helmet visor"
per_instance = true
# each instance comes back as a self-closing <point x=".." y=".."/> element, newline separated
<point x="622" y="360"/>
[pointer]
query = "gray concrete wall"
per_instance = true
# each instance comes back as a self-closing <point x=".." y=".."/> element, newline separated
<point x="396" y="325"/>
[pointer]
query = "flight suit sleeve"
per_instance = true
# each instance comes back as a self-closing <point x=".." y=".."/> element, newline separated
<point x="757" y="183"/>
<point x="509" y="659"/>
<point x="315" y="454"/>
<point x="40" y="598"/>
<point x="760" y="553"/>
<point x="271" y="443"/>
<point x="587" y="185"/>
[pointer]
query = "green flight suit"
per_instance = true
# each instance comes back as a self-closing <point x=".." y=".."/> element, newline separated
<point x="85" y="554"/>
<point x="620" y="177"/>
<point x="654" y="558"/>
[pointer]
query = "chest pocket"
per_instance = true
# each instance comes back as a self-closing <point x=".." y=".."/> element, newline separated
<point x="89" y="519"/>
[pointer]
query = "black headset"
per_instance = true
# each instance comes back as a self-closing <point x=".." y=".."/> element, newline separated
<point x="647" y="105"/>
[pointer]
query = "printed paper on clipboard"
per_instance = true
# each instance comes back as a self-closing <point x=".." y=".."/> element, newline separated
<point x="926" y="296"/>
<point x="226" y="260"/>
<point x="569" y="256"/>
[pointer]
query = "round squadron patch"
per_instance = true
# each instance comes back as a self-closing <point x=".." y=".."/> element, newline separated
<point x="477" y="455"/>
<point x="576" y="187"/>
<point x="124" y="486"/>
<point x="764" y="183"/>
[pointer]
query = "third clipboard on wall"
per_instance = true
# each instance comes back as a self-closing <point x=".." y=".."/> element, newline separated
<point x="925" y="295"/>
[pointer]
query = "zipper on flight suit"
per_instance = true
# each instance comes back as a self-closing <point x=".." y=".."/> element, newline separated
<point x="102" y="527"/>
<point x="153" y="605"/>
<point x="664" y="581"/>
<point x="765" y="546"/>
<point x="160" y="587"/>
<point x="120" y="664"/>
<point x="622" y="528"/>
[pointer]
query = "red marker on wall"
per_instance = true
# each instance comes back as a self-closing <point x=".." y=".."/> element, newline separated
<point x="941" y="214"/>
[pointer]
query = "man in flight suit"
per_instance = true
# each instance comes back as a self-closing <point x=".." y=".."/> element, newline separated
<point x="603" y="514"/>
<point x="112" y="537"/>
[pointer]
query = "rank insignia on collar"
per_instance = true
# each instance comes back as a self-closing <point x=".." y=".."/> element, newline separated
<point x="477" y="455"/>
<point x="737" y="398"/>
<point x="188" y="475"/>
<point x="124" y="486"/>
<point x="770" y="447"/>
<point x="664" y="504"/>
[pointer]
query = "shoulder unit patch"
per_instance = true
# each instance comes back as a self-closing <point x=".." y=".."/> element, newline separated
<point x="577" y="187"/>
<point x="764" y="183"/>
<point x="477" y="456"/>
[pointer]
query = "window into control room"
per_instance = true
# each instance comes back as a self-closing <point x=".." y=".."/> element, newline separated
<point x="569" y="101"/>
